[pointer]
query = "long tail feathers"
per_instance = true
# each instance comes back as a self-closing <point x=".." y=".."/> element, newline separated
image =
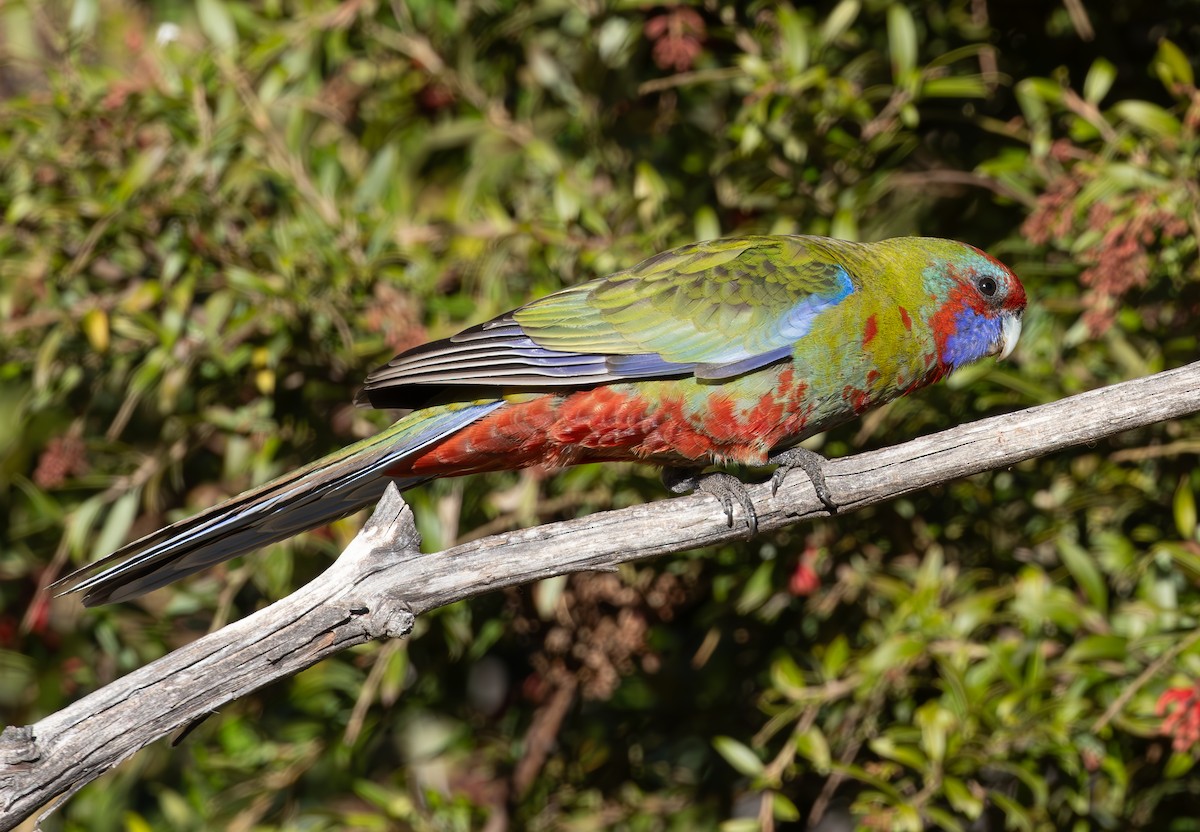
<point x="319" y="493"/>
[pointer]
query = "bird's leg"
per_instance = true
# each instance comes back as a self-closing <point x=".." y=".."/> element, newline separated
<point x="725" y="487"/>
<point x="811" y="463"/>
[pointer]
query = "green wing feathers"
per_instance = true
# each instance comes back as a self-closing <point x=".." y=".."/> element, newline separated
<point x="710" y="303"/>
<point x="712" y="310"/>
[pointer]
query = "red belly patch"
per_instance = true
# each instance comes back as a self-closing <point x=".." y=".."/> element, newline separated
<point x="615" y="423"/>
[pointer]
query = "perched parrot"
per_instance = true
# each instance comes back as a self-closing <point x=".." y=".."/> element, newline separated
<point x="728" y="351"/>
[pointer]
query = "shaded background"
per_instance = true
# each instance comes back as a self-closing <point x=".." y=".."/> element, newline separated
<point x="218" y="216"/>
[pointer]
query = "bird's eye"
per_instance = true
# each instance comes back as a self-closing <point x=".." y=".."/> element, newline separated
<point x="987" y="285"/>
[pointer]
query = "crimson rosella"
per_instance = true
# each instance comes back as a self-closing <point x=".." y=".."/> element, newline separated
<point x="729" y="351"/>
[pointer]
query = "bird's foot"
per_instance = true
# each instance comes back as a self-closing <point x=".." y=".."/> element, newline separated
<point x="727" y="488"/>
<point x="811" y="463"/>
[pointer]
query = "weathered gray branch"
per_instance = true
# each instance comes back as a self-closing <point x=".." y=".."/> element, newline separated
<point x="382" y="581"/>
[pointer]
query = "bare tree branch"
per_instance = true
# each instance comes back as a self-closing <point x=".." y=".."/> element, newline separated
<point x="382" y="581"/>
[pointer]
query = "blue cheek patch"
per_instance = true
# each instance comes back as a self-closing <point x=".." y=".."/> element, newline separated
<point x="973" y="338"/>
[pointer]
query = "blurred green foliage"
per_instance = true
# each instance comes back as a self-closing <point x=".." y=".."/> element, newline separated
<point x="218" y="216"/>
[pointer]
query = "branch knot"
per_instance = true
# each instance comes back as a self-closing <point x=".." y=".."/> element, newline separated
<point x="18" y="746"/>
<point x="391" y="618"/>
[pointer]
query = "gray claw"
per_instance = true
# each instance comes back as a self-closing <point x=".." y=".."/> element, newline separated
<point x="811" y="463"/>
<point x="727" y="488"/>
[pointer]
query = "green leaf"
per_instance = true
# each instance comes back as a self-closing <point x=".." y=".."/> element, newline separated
<point x="1183" y="557"/>
<point x="740" y="825"/>
<point x="758" y="589"/>
<point x="217" y="24"/>
<point x="1043" y="89"/>
<point x="1185" y="509"/>
<point x="378" y="178"/>
<point x="1149" y="118"/>
<point x="904" y="754"/>
<point x="1085" y="572"/>
<point x="844" y="225"/>
<point x="740" y="756"/>
<point x="95" y="327"/>
<point x="872" y="780"/>
<point x="708" y="224"/>
<point x="395" y="804"/>
<point x="1017" y="816"/>
<point x="117" y="524"/>
<point x="784" y="809"/>
<point x="1178" y="765"/>
<point x="1173" y="67"/>
<point x="139" y="174"/>
<point x="961" y="798"/>
<point x="902" y="41"/>
<point x="615" y="40"/>
<point x="812" y="746"/>
<point x="943" y="819"/>
<point x="83" y="520"/>
<point x="935" y="723"/>
<point x="394" y="677"/>
<point x="893" y="653"/>
<point x="840" y="19"/>
<point x="1099" y="81"/>
<point x="272" y="570"/>
<point x="566" y="199"/>
<point x="1032" y="96"/>
<point x="547" y="593"/>
<point x="788" y="678"/>
<point x="793" y="36"/>
<point x="958" y="86"/>
<point x="1097" y="648"/>
<point x="21" y="206"/>
<point x="649" y="189"/>
<point x="84" y="15"/>
<point x="134" y="822"/>
<point x="836" y="655"/>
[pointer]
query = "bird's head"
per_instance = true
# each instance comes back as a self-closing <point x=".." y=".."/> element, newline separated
<point x="979" y="303"/>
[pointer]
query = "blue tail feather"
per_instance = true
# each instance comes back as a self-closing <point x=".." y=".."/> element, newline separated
<point x="320" y="493"/>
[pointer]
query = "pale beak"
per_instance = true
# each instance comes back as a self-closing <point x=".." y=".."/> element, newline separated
<point x="1010" y="332"/>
